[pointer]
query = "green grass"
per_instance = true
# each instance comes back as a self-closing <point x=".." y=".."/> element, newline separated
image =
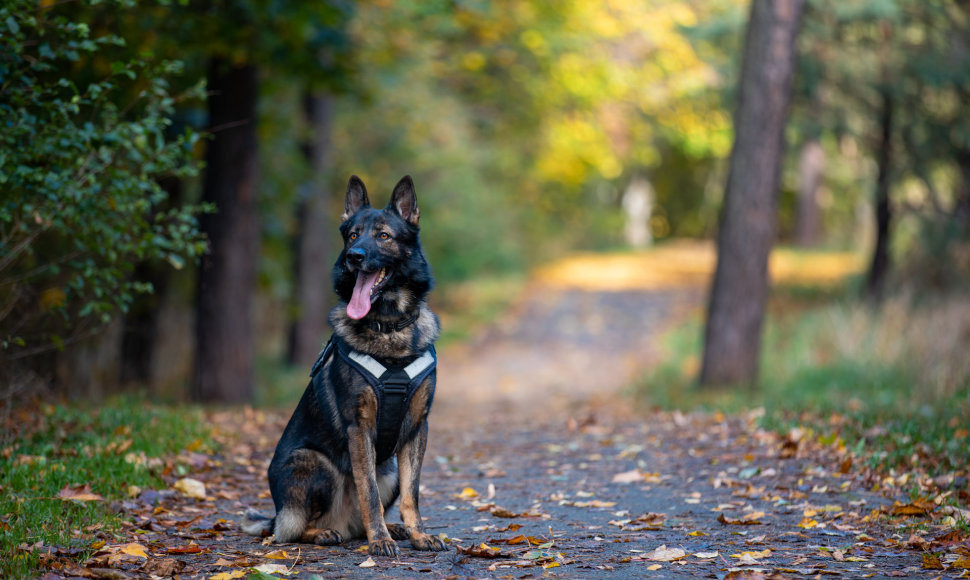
<point x="891" y="383"/>
<point x="110" y="447"/>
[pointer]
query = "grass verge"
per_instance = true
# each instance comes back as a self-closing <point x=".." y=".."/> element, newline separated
<point x="893" y="384"/>
<point x="109" y="448"/>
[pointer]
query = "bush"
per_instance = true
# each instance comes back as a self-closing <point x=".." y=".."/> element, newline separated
<point x="80" y="164"/>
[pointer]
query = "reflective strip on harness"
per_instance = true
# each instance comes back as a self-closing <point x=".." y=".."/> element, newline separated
<point x="393" y="387"/>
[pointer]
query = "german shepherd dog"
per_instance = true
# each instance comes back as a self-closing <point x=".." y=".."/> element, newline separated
<point x="338" y="465"/>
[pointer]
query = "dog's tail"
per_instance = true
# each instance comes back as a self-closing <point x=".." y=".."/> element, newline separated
<point x="256" y="524"/>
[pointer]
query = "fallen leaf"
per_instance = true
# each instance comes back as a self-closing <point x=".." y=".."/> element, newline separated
<point x="190" y="487"/>
<point x="467" y="493"/>
<point x="665" y="554"/>
<point x="653" y="567"/>
<point x="931" y="562"/>
<point x="163" y="567"/>
<point x="482" y="551"/>
<point x="368" y="563"/>
<point x="277" y="555"/>
<point x="275" y="569"/>
<point x="963" y="562"/>
<point x="705" y="555"/>
<point x="633" y="476"/>
<point x="807" y="523"/>
<point x="190" y="549"/>
<point x="134" y="550"/>
<point x="78" y="493"/>
<point x="754" y="555"/>
<point x="228" y="575"/>
<point x="916" y="508"/>
<point x="592" y="503"/>
<point x="504" y="513"/>
<point x="735" y="522"/>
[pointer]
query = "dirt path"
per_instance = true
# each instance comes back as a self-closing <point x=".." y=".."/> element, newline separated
<point x="537" y="466"/>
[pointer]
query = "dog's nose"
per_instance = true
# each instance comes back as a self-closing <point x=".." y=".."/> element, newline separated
<point x="355" y="256"/>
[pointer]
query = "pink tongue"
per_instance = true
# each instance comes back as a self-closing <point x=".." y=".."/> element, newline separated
<point x="359" y="304"/>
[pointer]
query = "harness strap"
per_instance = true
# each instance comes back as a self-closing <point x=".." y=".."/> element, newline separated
<point x="393" y="387"/>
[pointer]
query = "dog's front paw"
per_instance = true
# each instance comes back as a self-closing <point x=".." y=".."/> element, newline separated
<point x="386" y="547"/>
<point x="325" y="537"/>
<point x="422" y="541"/>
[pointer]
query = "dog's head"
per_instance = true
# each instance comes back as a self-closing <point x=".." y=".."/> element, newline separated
<point x="381" y="266"/>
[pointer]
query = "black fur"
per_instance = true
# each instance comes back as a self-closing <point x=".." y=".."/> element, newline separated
<point x="323" y="470"/>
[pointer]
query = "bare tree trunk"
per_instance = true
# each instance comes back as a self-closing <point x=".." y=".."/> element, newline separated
<point x="313" y="255"/>
<point x="224" y="338"/>
<point x="811" y="164"/>
<point x="748" y="220"/>
<point x="876" y="277"/>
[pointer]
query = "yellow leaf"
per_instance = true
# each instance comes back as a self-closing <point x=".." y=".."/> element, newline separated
<point x="654" y="567"/>
<point x="807" y="523"/>
<point x="468" y="493"/>
<point x="277" y="555"/>
<point x="190" y="487"/>
<point x="756" y="555"/>
<point x="228" y="575"/>
<point x="551" y="565"/>
<point x="696" y="533"/>
<point x="134" y="550"/>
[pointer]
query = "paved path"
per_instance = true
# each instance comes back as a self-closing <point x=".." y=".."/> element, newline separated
<point x="538" y="466"/>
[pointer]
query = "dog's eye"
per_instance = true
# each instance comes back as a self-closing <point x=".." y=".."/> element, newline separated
<point x="353" y="235"/>
<point x="385" y="236"/>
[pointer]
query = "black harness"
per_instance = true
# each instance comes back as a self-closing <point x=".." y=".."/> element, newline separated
<point x="393" y="385"/>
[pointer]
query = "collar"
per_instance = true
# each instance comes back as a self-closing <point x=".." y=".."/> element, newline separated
<point x="386" y="327"/>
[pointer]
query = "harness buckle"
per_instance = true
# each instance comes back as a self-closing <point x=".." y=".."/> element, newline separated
<point x="397" y="383"/>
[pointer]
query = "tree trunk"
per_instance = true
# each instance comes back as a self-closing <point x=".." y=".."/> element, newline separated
<point x="876" y="277"/>
<point x="223" y="328"/>
<point x="811" y="163"/>
<point x="313" y="254"/>
<point x="748" y="219"/>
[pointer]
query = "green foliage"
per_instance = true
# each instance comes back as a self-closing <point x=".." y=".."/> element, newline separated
<point x="852" y="56"/>
<point x="80" y="164"/>
<point x="892" y="385"/>
<point x="72" y="446"/>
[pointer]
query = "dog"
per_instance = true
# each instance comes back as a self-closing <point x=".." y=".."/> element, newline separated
<point x="357" y="438"/>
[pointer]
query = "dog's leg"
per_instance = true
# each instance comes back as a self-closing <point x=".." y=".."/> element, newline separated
<point x="409" y="460"/>
<point x="362" y="460"/>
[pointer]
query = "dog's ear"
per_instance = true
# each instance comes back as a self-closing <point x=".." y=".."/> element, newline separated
<point x="356" y="198"/>
<point x="404" y="201"/>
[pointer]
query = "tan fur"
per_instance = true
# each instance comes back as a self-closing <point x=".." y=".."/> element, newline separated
<point x="385" y="344"/>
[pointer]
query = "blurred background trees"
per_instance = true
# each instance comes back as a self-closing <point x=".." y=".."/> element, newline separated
<point x="524" y="124"/>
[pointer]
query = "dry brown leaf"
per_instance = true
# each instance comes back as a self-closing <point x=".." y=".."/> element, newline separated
<point x="482" y="551"/>
<point x="735" y="522"/>
<point x="190" y="549"/>
<point x="78" y="493"/>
